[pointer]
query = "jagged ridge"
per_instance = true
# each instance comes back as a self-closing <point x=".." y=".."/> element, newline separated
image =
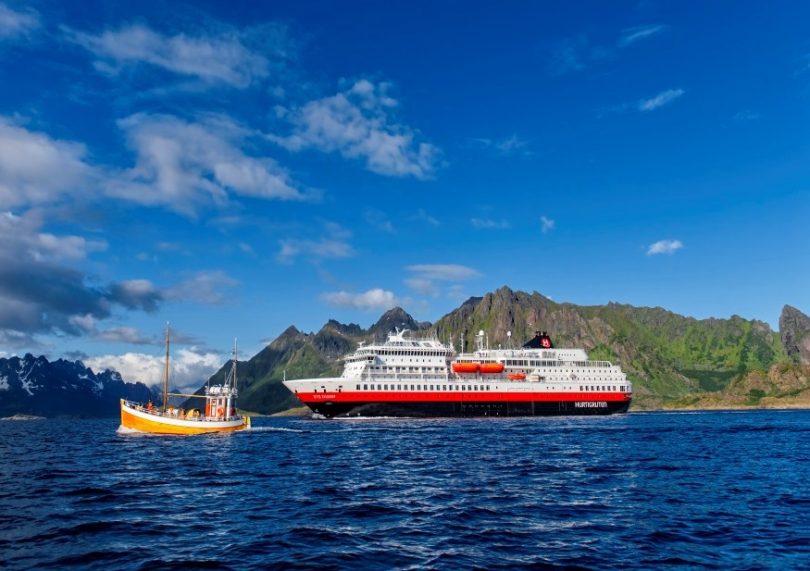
<point x="35" y="386"/>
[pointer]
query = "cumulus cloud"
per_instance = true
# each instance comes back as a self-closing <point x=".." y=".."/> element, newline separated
<point x="190" y="368"/>
<point x="547" y="224"/>
<point x="39" y="294"/>
<point x="358" y="123"/>
<point x="36" y="169"/>
<point x="42" y="297"/>
<point x="637" y="33"/>
<point x="668" y="247"/>
<point x="14" y="24"/>
<point x="23" y="234"/>
<point x="185" y="165"/>
<point x="373" y="299"/>
<point x="223" y="57"/>
<point x="663" y="98"/>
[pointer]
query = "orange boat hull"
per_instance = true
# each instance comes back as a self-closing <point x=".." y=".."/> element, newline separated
<point x="141" y="421"/>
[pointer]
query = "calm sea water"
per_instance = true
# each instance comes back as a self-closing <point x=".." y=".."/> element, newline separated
<point x="639" y="491"/>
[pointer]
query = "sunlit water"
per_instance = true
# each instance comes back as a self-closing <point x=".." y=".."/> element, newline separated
<point x="715" y="490"/>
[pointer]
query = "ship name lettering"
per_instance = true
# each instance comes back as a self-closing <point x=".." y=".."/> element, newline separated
<point x="590" y="404"/>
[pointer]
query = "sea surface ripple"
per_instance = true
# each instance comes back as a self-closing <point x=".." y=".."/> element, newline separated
<point x="715" y="490"/>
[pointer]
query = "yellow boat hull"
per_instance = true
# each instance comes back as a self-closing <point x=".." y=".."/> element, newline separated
<point x="142" y="421"/>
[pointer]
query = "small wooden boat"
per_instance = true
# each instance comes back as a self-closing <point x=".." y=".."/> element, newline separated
<point x="219" y="412"/>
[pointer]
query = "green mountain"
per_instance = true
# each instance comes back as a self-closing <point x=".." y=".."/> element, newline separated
<point x="673" y="361"/>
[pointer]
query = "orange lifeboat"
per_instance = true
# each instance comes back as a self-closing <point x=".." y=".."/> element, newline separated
<point x="465" y="367"/>
<point x="516" y="376"/>
<point x="492" y="367"/>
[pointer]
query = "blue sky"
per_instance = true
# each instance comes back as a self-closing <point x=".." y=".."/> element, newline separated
<point x="238" y="167"/>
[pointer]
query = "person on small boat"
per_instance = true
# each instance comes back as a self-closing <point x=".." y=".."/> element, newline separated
<point x="149" y="406"/>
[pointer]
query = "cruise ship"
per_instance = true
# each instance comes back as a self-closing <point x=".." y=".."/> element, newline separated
<point x="412" y="377"/>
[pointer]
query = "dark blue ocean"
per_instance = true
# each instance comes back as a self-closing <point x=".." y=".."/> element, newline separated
<point x="715" y="490"/>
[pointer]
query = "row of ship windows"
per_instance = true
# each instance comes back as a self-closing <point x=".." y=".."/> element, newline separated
<point x="584" y="388"/>
<point x="424" y="387"/>
<point x="436" y="353"/>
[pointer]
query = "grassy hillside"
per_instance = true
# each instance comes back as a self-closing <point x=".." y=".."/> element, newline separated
<point x="673" y="361"/>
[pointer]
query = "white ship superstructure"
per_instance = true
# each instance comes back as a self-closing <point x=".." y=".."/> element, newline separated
<point x="406" y="376"/>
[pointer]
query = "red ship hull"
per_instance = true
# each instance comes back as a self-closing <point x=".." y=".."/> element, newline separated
<point x="466" y="404"/>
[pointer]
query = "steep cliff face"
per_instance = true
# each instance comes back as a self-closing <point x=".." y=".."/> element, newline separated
<point x="795" y="329"/>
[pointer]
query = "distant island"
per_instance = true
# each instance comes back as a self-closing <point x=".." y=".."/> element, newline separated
<point x="675" y="362"/>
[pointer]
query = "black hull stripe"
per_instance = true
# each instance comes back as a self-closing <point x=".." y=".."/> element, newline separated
<point x="468" y="409"/>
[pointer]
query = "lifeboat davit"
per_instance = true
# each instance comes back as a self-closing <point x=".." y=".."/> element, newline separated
<point x="465" y="367"/>
<point x="516" y="376"/>
<point x="492" y="367"/>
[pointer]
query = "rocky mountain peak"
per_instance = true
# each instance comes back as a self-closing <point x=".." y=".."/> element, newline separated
<point x="351" y="329"/>
<point x="794" y="327"/>
<point x="392" y="319"/>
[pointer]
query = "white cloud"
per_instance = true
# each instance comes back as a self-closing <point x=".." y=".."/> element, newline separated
<point x="358" y="124"/>
<point x="36" y="169"/>
<point x="222" y="58"/>
<point x="22" y="235"/>
<point x="445" y="272"/>
<point x="664" y="247"/>
<point x="14" y="24"/>
<point x="202" y="287"/>
<point x="185" y="165"/>
<point x="425" y="276"/>
<point x="373" y="299"/>
<point x="334" y="246"/>
<point x="637" y="33"/>
<point x="488" y="224"/>
<point x="547" y="224"/>
<point x="124" y="335"/>
<point x="190" y="368"/>
<point x="663" y="98"/>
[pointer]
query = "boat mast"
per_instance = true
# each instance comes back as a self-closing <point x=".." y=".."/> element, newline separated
<point x="234" y="363"/>
<point x="166" y="372"/>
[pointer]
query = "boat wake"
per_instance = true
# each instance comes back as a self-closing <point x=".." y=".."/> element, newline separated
<point x="273" y="429"/>
<point x="125" y="430"/>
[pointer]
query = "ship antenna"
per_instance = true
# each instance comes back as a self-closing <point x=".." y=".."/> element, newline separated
<point x="166" y="372"/>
